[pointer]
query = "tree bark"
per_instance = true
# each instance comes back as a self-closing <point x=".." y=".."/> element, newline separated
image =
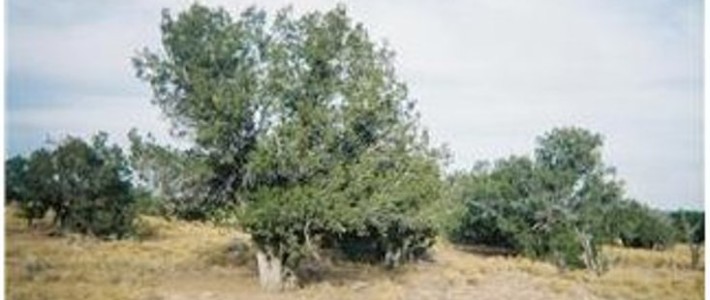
<point x="270" y="270"/>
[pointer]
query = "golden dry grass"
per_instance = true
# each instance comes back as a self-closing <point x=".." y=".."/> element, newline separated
<point x="42" y="267"/>
<point x="187" y="261"/>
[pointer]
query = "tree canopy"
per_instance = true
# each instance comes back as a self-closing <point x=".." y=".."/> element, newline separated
<point x="86" y="185"/>
<point x="556" y="206"/>
<point x="304" y="126"/>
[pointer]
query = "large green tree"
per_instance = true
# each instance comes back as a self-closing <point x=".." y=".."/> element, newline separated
<point x="306" y="130"/>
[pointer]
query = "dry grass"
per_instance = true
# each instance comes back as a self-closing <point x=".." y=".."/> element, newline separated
<point x="188" y="261"/>
<point x="42" y="267"/>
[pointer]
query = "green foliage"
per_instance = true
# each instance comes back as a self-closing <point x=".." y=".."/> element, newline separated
<point x="490" y="197"/>
<point x="689" y="225"/>
<point x="563" y="244"/>
<point x="210" y="85"/>
<point x="641" y="227"/>
<point x="342" y="157"/>
<point x="555" y="207"/>
<point x="147" y="203"/>
<point x="87" y="185"/>
<point x="178" y="180"/>
<point x="560" y="206"/>
<point x="302" y="127"/>
<point x="40" y="189"/>
<point x="690" y="229"/>
<point x="15" y="177"/>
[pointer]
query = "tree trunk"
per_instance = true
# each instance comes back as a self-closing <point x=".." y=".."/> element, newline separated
<point x="393" y="257"/>
<point x="590" y="256"/>
<point x="694" y="255"/>
<point x="270" y="270"/>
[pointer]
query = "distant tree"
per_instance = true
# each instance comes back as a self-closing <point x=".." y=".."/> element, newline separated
<point x="581" y="190"/>
<point x="690" y="226"/>
<point x="178" y="179"/>
<point x="305" y="130"/>
<point x="41" y="190"/>
<point x="94" y="187"/>
<point x="642" y="227"/>
<point x="498" y="203"/>
<point x="15" y="178"/>
<point x="554" y="207"/>
<point x="87" y="186"/>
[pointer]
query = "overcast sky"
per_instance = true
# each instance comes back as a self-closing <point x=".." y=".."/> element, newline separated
<point x="490" y="75"/>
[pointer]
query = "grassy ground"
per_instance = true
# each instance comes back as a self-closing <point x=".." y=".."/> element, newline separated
<point x="189" y="261"/>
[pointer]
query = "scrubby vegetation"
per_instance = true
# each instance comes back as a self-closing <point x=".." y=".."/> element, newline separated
<point x="560" y="206"/>
<point x="300" y="134"/>
<point x="639" y="226"/>
<point x="85" y="185"/>
<point x="690" y="229"/>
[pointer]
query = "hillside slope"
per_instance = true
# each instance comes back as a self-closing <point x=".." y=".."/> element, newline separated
<point x="182" y="260"/>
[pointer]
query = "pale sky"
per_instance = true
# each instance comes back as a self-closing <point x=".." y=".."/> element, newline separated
<point x="490" y="76"/>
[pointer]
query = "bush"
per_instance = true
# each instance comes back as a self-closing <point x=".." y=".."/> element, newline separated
<point x="689" y="226"/>
<point x="554" y="207"/>
<point x="690" y="229"/>
<point x="497" y="204"/>
<point x="87" y="186"/>
<point x="40" y="190"/>
<point x="642" y="227"/>
<point x="559" y="207"/>
<point x="15" y="177"/>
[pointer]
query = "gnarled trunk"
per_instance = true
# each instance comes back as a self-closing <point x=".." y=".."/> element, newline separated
<point x="271" y="270"/>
